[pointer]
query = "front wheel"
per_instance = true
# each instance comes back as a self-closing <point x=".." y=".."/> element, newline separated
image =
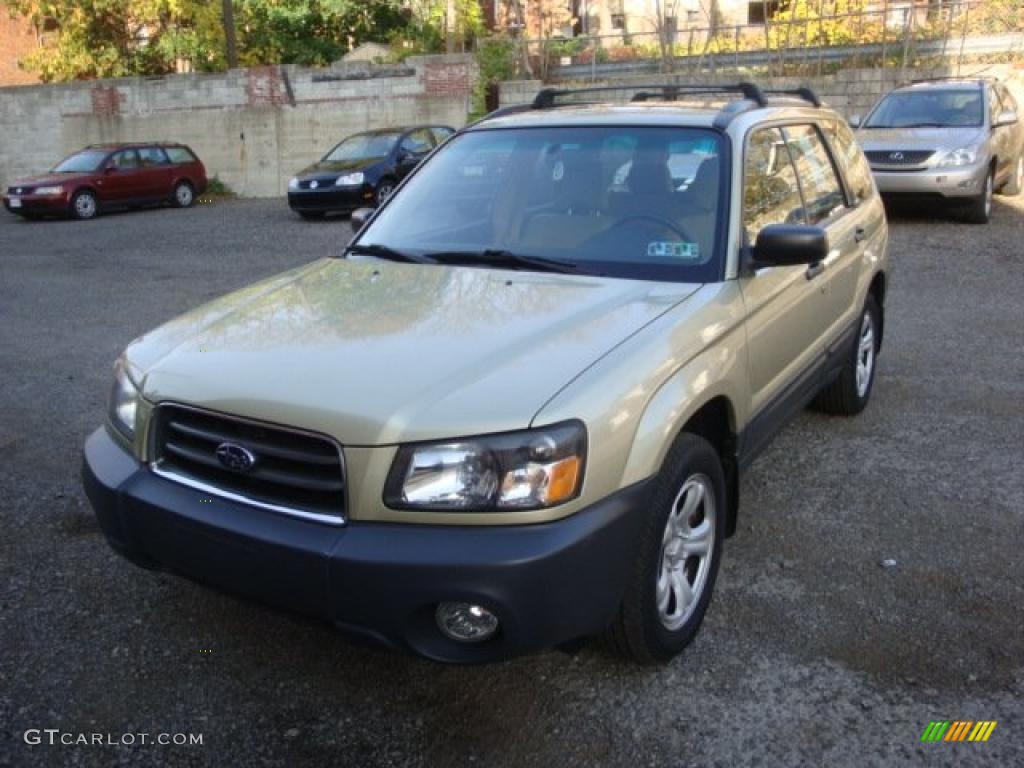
<point x="1016" y="182"/>
<point x="672" y="579"/>
<point x="980" y="208"/>
<point x="384" y="190"/>
<point x="83" y="205"/>
<point x="848" y="395"/>
<point x="184" y="195"/>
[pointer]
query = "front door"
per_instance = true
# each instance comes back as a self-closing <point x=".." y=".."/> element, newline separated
<point x="123" y="178"/>
<point x="415" y="146"/>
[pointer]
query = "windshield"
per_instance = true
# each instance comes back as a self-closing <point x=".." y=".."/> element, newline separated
<point x="941" y="108"/>
<point x="621" y="201"/>
<point x="81" y="162"/>
<point x="364" y="146"/>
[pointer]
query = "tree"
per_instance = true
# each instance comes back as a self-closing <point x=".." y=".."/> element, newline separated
<point x="230" y="37"/>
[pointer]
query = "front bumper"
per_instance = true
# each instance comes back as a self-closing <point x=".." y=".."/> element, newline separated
<point x="326" y="199"/>
<point x="966" y="181"/>
<point x="548" y="583"/>
<point x="38" y="205"/>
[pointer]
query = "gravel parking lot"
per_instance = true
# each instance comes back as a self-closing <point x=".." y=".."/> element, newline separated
<point x="813" y="653"/>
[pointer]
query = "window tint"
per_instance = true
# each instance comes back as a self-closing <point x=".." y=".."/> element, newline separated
<point x="822" y="192"/>
<point x="150" y="156"/>
<point x="418" y="142"/>
<point x="771" y="194"/>
<point x="850" y="156"/>
<point x="180" y="155"/>
<point x="440" y="134"/>
<point x="126" y="160"/>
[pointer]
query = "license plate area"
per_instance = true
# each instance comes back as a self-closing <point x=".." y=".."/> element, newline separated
<point x="15" y="202"/>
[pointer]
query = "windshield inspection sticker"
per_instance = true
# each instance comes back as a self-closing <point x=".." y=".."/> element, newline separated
<point x="672" y="250"/>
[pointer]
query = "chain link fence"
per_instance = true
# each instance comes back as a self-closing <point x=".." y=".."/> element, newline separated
<point x="888" y="35"/>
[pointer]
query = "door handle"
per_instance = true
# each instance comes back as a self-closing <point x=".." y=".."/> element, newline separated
<point x="859" y="234"/>
<point x="815" y="269"/>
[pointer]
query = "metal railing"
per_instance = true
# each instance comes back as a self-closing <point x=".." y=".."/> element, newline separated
<point x="887" y="35"/>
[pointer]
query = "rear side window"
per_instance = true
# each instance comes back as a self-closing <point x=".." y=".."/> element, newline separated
<point x="771" y="194"/>
<point x="180" y="155"/>
<point x="419" y="142"/>
<point x="822" y="192"/>
<point x="850" y="156"/>
<point x="126" y="160"/>
<point x="151" y="156"/>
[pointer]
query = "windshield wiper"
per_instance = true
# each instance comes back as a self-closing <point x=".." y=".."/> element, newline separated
<point x="503" y="260"/>
<point x="384" y="252"/>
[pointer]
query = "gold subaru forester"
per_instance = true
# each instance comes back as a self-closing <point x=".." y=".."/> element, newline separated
<point x="514" y="412"/>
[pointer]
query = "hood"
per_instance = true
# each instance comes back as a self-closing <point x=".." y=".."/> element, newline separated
<point x="342" y="166"/>
<point x="919" y="138"/>
<point x="377" y="353"/>
<point x="49" y="179"/>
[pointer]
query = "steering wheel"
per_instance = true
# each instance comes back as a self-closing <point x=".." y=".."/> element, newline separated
<point x="652" y="219"/>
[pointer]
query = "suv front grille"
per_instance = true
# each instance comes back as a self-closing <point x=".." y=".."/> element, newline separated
<point x="294" y="472"/>
<point x="898" y="157"/>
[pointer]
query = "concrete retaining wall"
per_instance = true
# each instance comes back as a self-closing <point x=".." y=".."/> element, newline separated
<point x="253" y="128"/>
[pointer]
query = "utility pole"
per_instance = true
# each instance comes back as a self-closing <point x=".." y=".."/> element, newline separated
<point x="229" y="34"/>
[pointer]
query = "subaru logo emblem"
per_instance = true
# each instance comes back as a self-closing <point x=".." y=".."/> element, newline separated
<point x="235" y="457"/>
<point x="896" y="156"/>
<point x="314" y="184"/>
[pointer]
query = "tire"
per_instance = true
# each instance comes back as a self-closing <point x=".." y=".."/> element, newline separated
<point x="652" y="625"/>
<point x="848" y="394"/>
<point x="1016" y="182"/>
<point x="311" y="215"/>
<point x="84" y="205"/>
<point x="384" y="189"/>
<point x="980" y="209"/>
<point x="184" y="195"/>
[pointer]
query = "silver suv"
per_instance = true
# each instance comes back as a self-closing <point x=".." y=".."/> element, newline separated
<point x="955" y="140"/>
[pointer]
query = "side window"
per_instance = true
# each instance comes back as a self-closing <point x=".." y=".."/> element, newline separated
<point x="126" y="160"/>
<point x="441" y="134"/>
<point x="771" y="194"/>
<point x="152" y="156"/>
<point x="180" y="155"/>
<point x="851" y="158"/>
<point x="995" y="102"/>
<point x="419" y="142"/>
<point x="823" y="193"/>
<point x="1008" y="101"/>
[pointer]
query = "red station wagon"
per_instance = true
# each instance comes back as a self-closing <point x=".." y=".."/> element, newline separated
<point x="106" y="176"/>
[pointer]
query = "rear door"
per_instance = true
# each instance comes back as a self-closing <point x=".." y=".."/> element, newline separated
<point x="156" y="172"/>
<point x="123" y="180"/>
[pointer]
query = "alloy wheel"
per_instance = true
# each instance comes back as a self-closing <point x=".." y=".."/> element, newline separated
<point x="686" y="550"/>
<point x="865" y="354"/>
<point x="85" y="206"/>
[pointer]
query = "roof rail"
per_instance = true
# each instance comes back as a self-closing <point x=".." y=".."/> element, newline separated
<point x="966" y="78"/>
<point x="803" y="92"/>
<point x="546" y="98"/>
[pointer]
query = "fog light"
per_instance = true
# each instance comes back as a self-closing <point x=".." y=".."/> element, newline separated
<point x="466" y="623"/>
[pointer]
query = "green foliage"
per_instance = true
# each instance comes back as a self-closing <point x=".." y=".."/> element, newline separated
<point x="496" y="60"/>
<point x="217" y="188"/>
<point x="114" y="38"/>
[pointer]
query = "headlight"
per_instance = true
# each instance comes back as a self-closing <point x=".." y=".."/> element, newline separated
<point x="958" y="157"/>
<point x="293" y="184"/>
<point x="532" y="469"/>
<point x="49" y="190"/>
<point x="124" y="402"/>
<point x="350" y="180"/>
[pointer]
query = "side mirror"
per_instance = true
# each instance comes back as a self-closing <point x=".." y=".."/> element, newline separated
<point x="359" y="218"/>
<point x="854" y="121"/>
<point x="786" y="245"/>
<point x="1007" y="117"/>
<point x="110" y="169"/>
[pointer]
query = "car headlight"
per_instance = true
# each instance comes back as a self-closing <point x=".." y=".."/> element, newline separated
<point x="958" y="157"/>
<point x="531" y="469"/>
<point x="49" y="190"/>
<point x="350" y="179"/>
<point x="124" y="402"/>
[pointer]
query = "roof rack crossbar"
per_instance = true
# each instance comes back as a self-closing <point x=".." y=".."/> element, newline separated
<point x="965" y="78"/>
<point x="547" y="97"/>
